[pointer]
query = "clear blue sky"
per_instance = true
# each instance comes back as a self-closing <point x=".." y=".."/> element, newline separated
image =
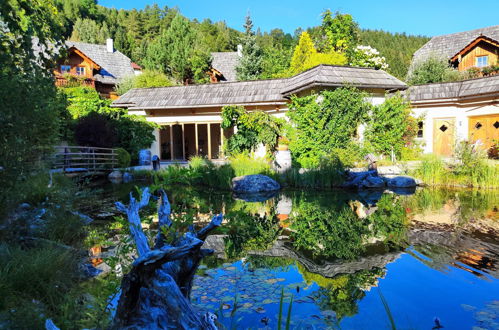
<point x="425" y="17"/>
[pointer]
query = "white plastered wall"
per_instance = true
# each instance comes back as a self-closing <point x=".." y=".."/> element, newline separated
<point x="460" y="113"/>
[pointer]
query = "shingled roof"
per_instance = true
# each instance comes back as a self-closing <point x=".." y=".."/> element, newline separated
<point x="114" y="66"/>
<point x="273" y="91"/>
<point x="450" y="44"/>
<point x="226" y="63"/>
<point x="336" y="76"/>
<point x="466" y="89"/>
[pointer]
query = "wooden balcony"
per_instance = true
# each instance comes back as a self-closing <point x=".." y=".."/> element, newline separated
<point x="62" y="81"/>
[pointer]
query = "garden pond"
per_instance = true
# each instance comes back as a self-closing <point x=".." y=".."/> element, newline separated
<point x="414" y="260"/>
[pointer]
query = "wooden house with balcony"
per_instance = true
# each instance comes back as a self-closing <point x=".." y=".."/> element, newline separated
<point x="98" y="66"/>
<point x="474" y="49"/>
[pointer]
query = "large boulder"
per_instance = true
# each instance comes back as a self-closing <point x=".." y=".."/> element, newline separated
<point x="254" y="183"/>
<point x="401" y="182"/>
<point x="373" y="182"/>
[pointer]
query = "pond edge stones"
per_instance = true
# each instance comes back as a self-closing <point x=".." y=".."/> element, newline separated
<point x="254" y="183"/>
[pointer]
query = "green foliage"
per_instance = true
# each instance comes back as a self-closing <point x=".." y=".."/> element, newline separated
<point x="250" y="65"/>
<point x="253" y="128"/>
<point x="124" y="158"/>
<point x="391" y="126"/>
<point x="88" y="30"/>
<point x="397" y="48"/>
<point x="31" y="106"/>
<point x="324" y="122"/>
<point x="341" y="31"/>
<point x="306" y="56"/>
<point x="176" y="53"/>
<point x="243" y="164"/>
<point x="329" y="174"/>
<point x="368" y="57"/>
<point x="134" y="133"/>
<point x="433" y="70"/>
<point x="83" y="100"/>
<point x="146" y="79"/>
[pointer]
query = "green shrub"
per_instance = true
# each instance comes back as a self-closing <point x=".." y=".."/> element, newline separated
<point x="124" y="158"/>
<point x="432" y="170"/>
<point x="391" y="126"/>
<point x="433" y="70"/>
<point x="329" y="174"/>
<point x="325" y="122"/>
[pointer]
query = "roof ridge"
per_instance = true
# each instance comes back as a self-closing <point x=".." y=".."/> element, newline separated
<point x="467" y="31"/>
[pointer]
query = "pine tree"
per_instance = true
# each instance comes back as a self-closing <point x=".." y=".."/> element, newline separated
<point x="302" y="54"/>
<point x="251" y="63"/>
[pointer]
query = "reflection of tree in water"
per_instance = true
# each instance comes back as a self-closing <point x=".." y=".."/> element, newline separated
<point x="340" y="233"/>
<point x="250" y="232"/>
<point x="342" y="293"/>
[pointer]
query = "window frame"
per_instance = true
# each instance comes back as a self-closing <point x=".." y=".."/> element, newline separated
<point x="420" y="129"/>
<point x="478" y="58"/>
<point x="80" y="68"/>
<point x="65" y="66"/>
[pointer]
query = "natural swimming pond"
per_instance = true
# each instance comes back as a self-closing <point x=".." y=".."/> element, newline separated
<point x="349" y="261"/>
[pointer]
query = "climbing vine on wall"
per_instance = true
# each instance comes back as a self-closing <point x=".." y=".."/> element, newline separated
<point x="325" y="121"/>
<point x="253" y="128"/>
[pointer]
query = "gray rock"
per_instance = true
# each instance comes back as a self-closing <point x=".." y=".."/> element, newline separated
<point x="115" y="177"/>
<point x="254" y="183"/>
<point x="373" y="182"/>
<point x="401" y="182"/>
<point x="127" y="177"/>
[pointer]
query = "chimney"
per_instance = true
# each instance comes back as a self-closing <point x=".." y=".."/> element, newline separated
<point x="110" y="45"/>
<point x="240" y="50"/>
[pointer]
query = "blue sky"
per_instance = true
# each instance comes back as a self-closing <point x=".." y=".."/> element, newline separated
<point x="425" y="17"/>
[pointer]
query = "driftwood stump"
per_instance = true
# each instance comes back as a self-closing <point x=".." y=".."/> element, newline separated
<point x="156" y="292"/>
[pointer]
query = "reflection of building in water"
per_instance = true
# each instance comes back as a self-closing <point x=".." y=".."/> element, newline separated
<point x="448" y="248"/>
<point x="283" y="210"/>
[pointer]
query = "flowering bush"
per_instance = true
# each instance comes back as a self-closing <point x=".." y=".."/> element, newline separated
<point x="368" y="57"/>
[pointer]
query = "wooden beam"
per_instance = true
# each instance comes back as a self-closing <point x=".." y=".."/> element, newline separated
<point x="222" y="137"/>
<point x="208" y="128"/>
<point x="183" y="142"/>
<point x="171" y="142"/>
<point x="197" y="143"/>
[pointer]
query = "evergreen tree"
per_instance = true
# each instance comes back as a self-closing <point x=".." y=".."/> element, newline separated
<point x="341" y="32"/>
<point x="306" y="56"/>
<point x="250" y="65"/>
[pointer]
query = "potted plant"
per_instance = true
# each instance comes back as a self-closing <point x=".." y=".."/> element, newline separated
<point x="282" y="143"/>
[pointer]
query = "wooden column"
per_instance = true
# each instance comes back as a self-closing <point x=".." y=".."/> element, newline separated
<point x="183" y="142"/>
<point x="197" y="143"/>
<point x="209" y="139"/>
<point x="171" y="142"/>
<point x="222" y="137"/>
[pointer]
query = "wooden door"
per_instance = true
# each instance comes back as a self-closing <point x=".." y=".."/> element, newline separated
<point x="443" y="136"/>
<point x="484" y="129"/>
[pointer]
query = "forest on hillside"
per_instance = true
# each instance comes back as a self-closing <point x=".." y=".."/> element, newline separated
<point x="144" y="36"/>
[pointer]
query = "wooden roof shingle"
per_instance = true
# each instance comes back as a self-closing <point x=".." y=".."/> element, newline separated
<point x="465" y="89"/>
<point x="256" y="91"/>
<point x="226" y="63"/>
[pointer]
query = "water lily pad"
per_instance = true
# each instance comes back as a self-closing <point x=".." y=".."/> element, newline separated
<point x="247" y="305"/>
<point x="468" y="307"/>
<point x="267" y="301"/>
<point x="230" y="268"/>
<point x="226" y="306"/>
<point x="260" y="310"/>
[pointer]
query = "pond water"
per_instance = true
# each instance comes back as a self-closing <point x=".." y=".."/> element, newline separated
<point x="425" y="260"/>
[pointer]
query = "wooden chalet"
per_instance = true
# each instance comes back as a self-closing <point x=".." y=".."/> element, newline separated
<point x="98" y="66"/>
<point x="470" y="49"/>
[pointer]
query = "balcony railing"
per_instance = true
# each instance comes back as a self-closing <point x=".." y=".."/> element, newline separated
<point x="61" y="81"/>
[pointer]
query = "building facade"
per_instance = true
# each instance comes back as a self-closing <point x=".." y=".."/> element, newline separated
<point x="190" y="116"/>
<point x="456" y="111"/>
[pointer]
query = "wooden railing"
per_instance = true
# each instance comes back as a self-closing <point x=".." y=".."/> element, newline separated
<point x="84" y="159"/>
<point x="61" y="81"/>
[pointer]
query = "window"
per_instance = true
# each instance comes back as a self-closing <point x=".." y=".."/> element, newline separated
<point x="80" y="70"/>
<point x="65" y="68"/>
<point x="420" y="129"/>
<point x="482" y="61"/>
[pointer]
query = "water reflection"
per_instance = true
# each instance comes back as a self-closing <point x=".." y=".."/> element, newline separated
<point x="431" y="253"/>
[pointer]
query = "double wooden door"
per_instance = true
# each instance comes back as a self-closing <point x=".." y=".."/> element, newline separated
<point x="484" y="129"/>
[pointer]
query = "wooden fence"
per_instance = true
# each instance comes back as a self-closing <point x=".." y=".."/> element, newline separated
<point x="84" y="159"/>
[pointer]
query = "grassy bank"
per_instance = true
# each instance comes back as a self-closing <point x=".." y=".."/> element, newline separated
<point x="479" y="173"/>
<point x="202" y="172"/>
